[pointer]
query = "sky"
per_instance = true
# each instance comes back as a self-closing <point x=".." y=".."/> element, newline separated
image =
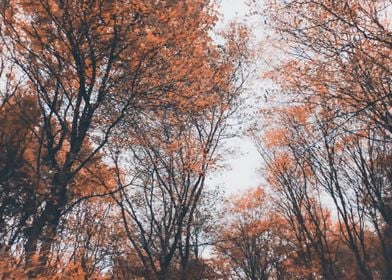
<point x="231" y="9"/>
<point x="244" y="162"/>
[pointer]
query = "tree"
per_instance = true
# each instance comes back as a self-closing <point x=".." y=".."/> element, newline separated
<point x="334" y="72"/>
<point x="94" y="69"/>
<point x="170" y="154"/>
<point x="315" y="176"/>
<point x="340" y="59"/>
<point x="254" y="240"/>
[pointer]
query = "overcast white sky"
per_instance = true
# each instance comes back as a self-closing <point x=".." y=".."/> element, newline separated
<point x="231" y="9"/>
<point x="244" y="163"/>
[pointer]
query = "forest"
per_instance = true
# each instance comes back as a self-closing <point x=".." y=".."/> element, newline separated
<point x="114" y="116"/>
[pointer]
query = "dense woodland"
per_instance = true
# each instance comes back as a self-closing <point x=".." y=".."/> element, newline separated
<point x="114" y="113"/>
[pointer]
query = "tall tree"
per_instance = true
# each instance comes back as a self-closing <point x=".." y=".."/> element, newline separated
<point x="171" y="154"/>
<point x="336" y="68"/>
<point x="94" y="70"/>
<point x="254" y="240"/>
